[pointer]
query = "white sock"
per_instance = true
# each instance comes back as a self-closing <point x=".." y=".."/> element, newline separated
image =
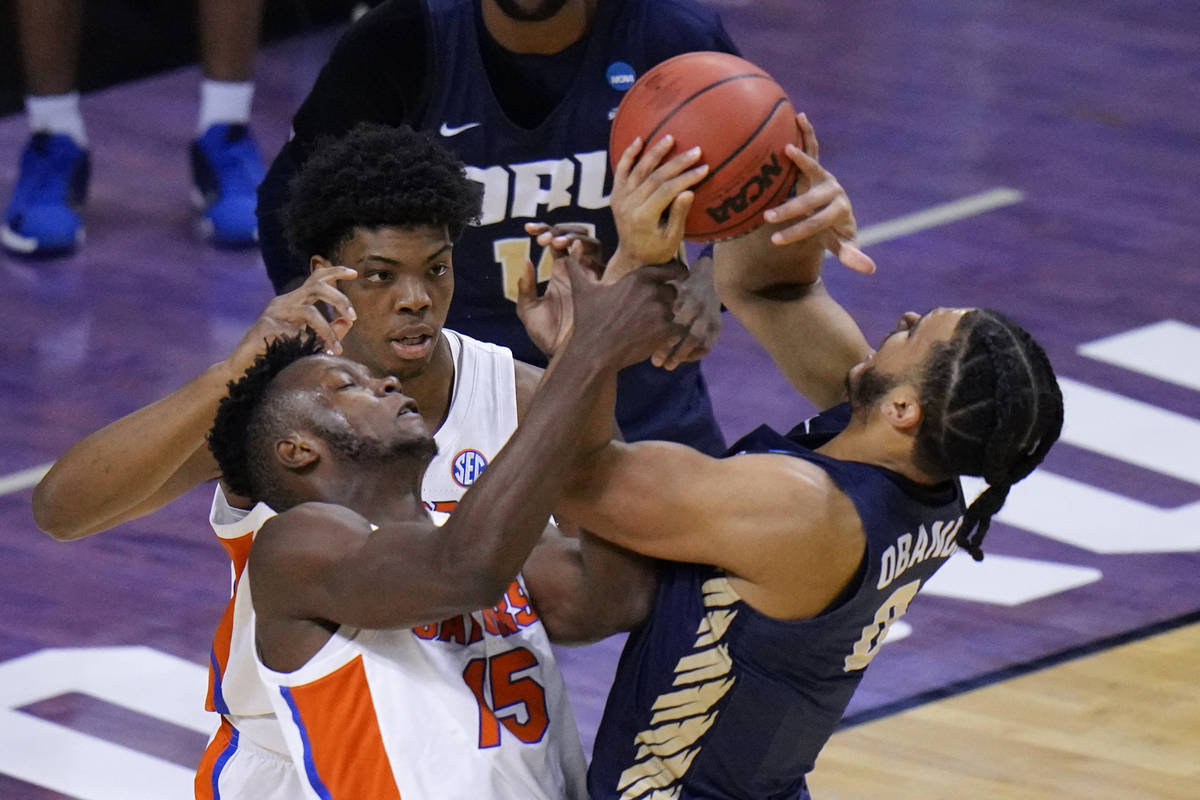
<point x="224" y="102"/>
<point x="56" y="113"/>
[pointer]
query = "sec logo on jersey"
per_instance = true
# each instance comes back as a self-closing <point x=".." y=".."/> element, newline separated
<point x="467" y="466"/>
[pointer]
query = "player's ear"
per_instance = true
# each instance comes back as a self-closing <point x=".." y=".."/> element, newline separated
<point x="316" y="262"/>
<point x="297" y="452"/>
<point x="901" y="407"/>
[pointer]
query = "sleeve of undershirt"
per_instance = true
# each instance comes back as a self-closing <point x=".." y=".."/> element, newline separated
<point x="377" y="72"/>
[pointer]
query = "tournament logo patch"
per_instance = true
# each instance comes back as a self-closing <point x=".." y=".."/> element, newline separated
<point x="620" y="76"/>
<point x="467" y="466"/>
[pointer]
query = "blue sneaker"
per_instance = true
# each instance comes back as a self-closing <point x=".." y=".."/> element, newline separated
<point x="227" y="168"/>
<point x="42" y="219"/>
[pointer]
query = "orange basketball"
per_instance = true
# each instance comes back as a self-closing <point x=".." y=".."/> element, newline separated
<point x="740" y="118"/>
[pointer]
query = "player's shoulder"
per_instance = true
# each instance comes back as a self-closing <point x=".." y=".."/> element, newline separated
<point x="390" y="28"/>
<point x="798" y="487"/>
<point x="461" y="342"/>
<point x="310" y="525"/>
<point x="679" y="26"/>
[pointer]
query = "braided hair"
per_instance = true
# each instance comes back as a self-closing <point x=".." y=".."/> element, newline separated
<point x="992" y="408"/>
<point x="240" y="418"/>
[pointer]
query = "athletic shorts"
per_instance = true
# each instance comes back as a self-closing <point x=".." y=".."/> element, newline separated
<point x="234" y="768"/>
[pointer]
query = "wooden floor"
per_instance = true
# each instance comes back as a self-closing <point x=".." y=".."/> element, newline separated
<point x="1124" y="723"/>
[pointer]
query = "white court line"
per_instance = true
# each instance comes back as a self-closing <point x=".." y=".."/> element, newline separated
<point x="943" y="214"/>
<point x="1165" y="350"/>
<point x="970" y="206"/>
<point x="23" y="479"/>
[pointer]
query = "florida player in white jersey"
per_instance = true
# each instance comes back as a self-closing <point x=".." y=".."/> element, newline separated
<point x="481" y="417"/>
<point x="386" y="679"/>
<point x="142" y="461"/>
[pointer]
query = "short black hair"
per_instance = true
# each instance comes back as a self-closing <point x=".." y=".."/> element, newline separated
<point x="991" y="407"/>
<point x="376" y="175"/>
<point x="242" y="420"/>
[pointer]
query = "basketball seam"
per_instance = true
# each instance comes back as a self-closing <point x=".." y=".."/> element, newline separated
<point x="666" y="118"/>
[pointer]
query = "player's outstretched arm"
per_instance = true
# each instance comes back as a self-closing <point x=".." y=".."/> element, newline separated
<point x="771" y="280"/>
<point x="144" y="460"/>
<point x="773" y="522"/>
<point x="583" y="588"/>
<point x="410" y="572"/>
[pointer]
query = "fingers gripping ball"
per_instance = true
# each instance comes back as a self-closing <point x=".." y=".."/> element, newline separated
<point x="740" y="118"/>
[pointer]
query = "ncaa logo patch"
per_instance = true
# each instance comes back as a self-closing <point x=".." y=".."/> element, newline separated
<point x="620" y="76"/>
<point x="467" y="466"/>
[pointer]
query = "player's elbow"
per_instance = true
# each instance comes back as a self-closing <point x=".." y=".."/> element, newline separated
<point x="50" y="516"/>
<point x="479" y="585"/>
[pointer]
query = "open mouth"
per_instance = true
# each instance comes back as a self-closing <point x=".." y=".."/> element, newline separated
<point x="414" y="346"/>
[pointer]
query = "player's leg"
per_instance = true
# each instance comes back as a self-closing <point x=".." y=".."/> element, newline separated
<point x="226" y="164"/>
<point x="42" y="217"/>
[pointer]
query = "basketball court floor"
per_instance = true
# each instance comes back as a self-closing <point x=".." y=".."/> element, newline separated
<point x="1041" y="158"/>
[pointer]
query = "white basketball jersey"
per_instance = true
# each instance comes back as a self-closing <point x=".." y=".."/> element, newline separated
<point x="482" y="415"/>
<point x="470" y="707"/>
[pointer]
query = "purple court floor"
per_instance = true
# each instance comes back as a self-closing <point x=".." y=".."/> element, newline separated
<point x="1039" y="158"/>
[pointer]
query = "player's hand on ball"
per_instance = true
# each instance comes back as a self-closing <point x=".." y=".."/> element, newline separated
<point x="644" y="189"/>
<point x="823" y="209"/>
<point x="289" y="314"/>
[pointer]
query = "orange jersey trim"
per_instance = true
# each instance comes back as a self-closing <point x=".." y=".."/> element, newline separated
<point x="335" y="765"/>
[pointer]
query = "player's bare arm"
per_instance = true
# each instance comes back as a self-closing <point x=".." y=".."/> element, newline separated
<point x="583" y="587"/>
<point x="776" y="291"/>
<point x="763" y="518"/>
<point x="144" y="460"/>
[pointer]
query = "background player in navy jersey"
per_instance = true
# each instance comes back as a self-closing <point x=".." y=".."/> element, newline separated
<point x="793" y="556"/>
<point x="523" y="91"/>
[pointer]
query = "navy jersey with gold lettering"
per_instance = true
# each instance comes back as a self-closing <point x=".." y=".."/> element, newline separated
<point x="533" y="129"/>
<point x="713" y="699"/>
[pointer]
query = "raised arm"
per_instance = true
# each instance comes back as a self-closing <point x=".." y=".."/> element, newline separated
<point x="142" y="461"/>
<point x="771" y="280"/>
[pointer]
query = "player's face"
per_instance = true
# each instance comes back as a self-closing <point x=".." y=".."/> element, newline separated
<point x="401" y="295"/>
<point x="356" y="412"/>
<point x="529" y="10"/>
<point x="905" y="349"/>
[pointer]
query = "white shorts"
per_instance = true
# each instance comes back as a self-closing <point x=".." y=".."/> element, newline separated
<point x="235" y="768"/>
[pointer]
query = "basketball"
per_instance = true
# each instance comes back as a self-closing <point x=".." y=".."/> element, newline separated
<point x="741" y="119"/>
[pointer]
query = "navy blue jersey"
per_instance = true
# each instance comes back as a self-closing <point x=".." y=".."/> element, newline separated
<point x="533" y="129"/>
<point x="713" y="699"/>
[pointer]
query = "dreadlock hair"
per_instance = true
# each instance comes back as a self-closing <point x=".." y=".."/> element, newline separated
<point x="375" y="176"/>
<point x="992" y="408"/>
<point x="244" y="419"/>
